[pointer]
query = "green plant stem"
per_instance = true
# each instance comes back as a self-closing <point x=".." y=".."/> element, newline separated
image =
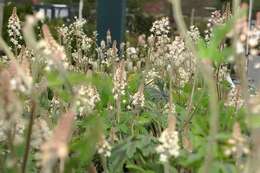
<point x="166" y="167"/>
<point x="190" y="103"/>
<point x="170" y="93"/>
<point x="104" y="164"/>
<point x="1" y="164"/>
<point x="118" y="109"/>
<point x="28" y="138"/>
<point x="61" y="166"/>
<point x="208" y="77"/>
<point x="10" y="138"/>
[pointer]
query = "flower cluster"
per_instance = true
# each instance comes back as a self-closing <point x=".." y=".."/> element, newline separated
<point x="56" y="147"/>
<point x="17" y="130"/>
<point x="40" y="133"/>
<point x="237" y="144"/>
<point x="87" y="99"/>
<point x="10" y="106"/>
<point x="104" y="148"/>
<point x="216" y="18"/>
<point x="169" y="110"/>
<point x="21" y="79"/>
<point x="161" y="27"/>
<point x="131" y="52"/>
<point x="222" y="73"/>
<point x="119" y="80"/>
<point x="234" y="98"/>
<point x="53" y="49"/>
<point x="55" y="105"/>
<point x="169" y="142"/>
<point x="138" y="97"/>
<point x="14" y="30"/>
<point x="181" y="60"/>
<point x="194" y="33"/>
<point x="151" y="75"/>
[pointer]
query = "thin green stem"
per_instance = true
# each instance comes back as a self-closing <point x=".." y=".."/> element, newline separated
<point x="28" y="138"/>
<point x="166" y="167"/>
<point x="104" y="164"/>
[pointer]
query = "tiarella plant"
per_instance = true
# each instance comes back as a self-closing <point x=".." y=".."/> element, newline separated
<point x="165" y="104"/>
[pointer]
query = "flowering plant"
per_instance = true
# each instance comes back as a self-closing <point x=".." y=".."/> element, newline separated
<point x="164" y="104"/>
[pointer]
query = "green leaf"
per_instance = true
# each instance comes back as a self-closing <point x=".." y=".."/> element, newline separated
<point x="118" y="157"/>
<point x="133" y="82"/>
<point x="65" y="95"/>
<point x="104" y="85"/>
<point x="123" y="128"/>
<point x="77" y="78"/>
<point x="138" y="169"/>
<point x="131" y="149"/>
<point x="54" y="79"/>
<point x="212" y="50"/>
<point x="143" y="120"/>
<point x="228" y="168"/>
<point x="84" y="146"/>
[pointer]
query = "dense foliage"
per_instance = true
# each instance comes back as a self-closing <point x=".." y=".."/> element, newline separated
<point x="166" y="104"/>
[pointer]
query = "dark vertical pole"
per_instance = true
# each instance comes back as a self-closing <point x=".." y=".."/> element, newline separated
<point x="111" y="16"/>
<point x="1" y="15"/>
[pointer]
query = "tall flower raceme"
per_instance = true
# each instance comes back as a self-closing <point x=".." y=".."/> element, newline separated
<point x="86" y="99"/>
<point x="169" y="110"/>
<point x="14" y="30"/>
<point x="111" y="55"/>
<point x="104" y="147"/>
<point x="138" y="99"/>
<point x="56" y="148"/>
<point x="194" y="33"/>
<point x="134" y="58"/>
<point x="237" y="145"/>
<point x="21" y="78"/>
<point x="167" y="53"/>
<point x="55" y="106"/>
<point x="132" y="53"/>
<point x="234" y="98"/>
<point x="40" y="133"/>
<point x="64" y="33"/>
<point x="169" y="141"/>
<point x="78" y="43"/>
<point x="76" y="28"/>
<point x="108" y="53"/>
<point x="81" y="55"/>
<point x="119" y="80"/>
<point x="159" y="39"/>
<point x="18" y="130"/>
<point x="161" y="27"/>
<point x="53" y="49"/>
<point x="182" y="60"/>
<point x="217" y="18"/>
<point x="11" y="119"/>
